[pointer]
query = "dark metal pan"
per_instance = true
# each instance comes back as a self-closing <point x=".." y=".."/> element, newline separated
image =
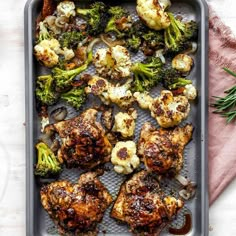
<point x="196" y="163"/>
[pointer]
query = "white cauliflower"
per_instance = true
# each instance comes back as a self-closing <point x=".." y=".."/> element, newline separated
<point x="182" y="63"/>
<point x="190" y="92"/>
<point x="124" y="157"/>
<point x="125" y="123"/>
<point x="99" y="87"/>
<point x="153" y="14"/>
<point x="168" y="110"/>
<point x="46" y="52"/>
<point x="68" y="53"/>
<point x="144" y="99"/>
<point x="113" y="62"/>
<point x="121" y="94"/>
<point x="66" y="8"/>
<point x="109" y="93"/>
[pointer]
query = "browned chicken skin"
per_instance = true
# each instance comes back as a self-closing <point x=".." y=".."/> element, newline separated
<point x="162" y="149"/>
<point x="142" y="204"/>
<point x="76" y="208"/>
<point x="84" y="143"/>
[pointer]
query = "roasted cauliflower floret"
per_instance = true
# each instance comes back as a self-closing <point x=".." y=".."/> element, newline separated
<point x="124" y="157"/>
<point x="113" y="62"/>
<point x="168" y="110"/>
<point x="99" y="87"/>
<point x="68" y="54"/>
<point x="46" y="52"/>
<point x="66" y="8"/>
<point x="121" y="94"/>
<point x="125" y="123"/>
<point x="190" y="92"/>
<point x="182" y="63"/>
<point x="144" y="99"/>
<point x="109" y="93"/>
<point x="152" y="13"/>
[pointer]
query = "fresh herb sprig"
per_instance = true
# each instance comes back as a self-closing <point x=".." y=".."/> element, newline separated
<point x="226" y="106"/>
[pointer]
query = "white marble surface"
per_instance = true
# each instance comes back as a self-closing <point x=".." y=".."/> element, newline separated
<point x="12" y="139"/>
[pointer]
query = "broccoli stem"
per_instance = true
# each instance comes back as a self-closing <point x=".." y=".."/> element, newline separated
<point x="180" y="82"/>
<point x="83" y="12"/>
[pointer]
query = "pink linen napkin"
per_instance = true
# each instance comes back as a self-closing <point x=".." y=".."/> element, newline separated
<point x="222" y="137"/>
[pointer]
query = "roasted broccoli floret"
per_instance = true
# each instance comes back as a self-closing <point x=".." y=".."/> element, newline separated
<point x="119" y="22"/>
<point x="133" y="43"/>
<point x="96" y="17"/>
<point x="146" y="74"/>
<point x="47" y="164"/>
<point x="171" y="79"/>
<point x="45" y="92"/>
<point x="178" y="33"/>
<point x="152" y="41"/>
<point x="71" y="39"/>
<point x="64" y="78"/>
<point x="75" y="97"/>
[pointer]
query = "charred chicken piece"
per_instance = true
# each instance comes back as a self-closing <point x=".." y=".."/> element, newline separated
<point x="142" y="204"/>
<point x="84" y="143"/>
<point x="162" y="149"/>
<point x="76" y="208"/>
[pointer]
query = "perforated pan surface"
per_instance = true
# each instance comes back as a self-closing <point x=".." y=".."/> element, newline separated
<point x="195" y="164"/>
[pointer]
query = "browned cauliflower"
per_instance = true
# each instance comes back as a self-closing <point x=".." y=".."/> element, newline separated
<point x="125" y="123"/>
<point x="190" y="92"/>
<point x="152" y="13"/>
<point x="112" y="62"/>
<point x="144" y="99"/>
<point x="124" y="157"/>
<point x="109" y="93"/>
<point x="182" y="63"/>
<point x="66" y="8"/>
<point x="168" y="110"/>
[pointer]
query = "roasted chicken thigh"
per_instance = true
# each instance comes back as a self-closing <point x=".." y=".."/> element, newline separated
<point x="142" y="204"/>
<point x="162" y="149"/>
<point x="84" y="143"/>
<point x="76" y="208"/>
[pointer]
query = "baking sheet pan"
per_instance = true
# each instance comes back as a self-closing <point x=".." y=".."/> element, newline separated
<point x="37" y="221"/>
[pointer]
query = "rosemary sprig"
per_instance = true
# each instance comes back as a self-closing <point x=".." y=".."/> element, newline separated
<point x="226" y="106"/>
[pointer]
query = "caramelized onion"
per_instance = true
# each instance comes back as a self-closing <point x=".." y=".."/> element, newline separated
<point x="110" y="42"/>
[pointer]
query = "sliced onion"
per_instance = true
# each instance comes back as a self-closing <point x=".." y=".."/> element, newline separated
<point x="61" y="21"/>
<point x="159" y="54"/>
<point x="110" y="42"/>
<point x="193" y="48"/>
<point x="165" y="3"/>
<point x="184" y="194"/>
<point x="59" y="114"/>
<point x="182" y="180"/>
<point x="92" y="43"/>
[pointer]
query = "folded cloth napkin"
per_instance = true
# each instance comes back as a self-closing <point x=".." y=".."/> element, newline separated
<point x="222" y="137"/>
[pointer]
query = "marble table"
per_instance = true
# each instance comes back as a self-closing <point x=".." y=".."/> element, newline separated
<point x="12" y="129"/>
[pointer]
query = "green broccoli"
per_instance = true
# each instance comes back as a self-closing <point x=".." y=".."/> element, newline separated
<point x="152" y="41"/>
<point x="75" y="97"/>
<point x="146" y="74"/>
<point x="176" y="36"/>
<point x="119" y="21"/>
<point x="43" y="33"/>
<point x="71" y="39"/>
<point x="45" y="92"/>
<point x="96" y="17"/>
<point x="47" y="164"/>
<point x="171" y="79"/>
<point x="133" y="43"/>
<point x="64" y="78"/>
